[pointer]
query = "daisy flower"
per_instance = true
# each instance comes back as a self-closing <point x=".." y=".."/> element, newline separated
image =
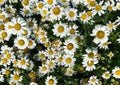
<point x="116" y="72"/>
<point x="71" y="14"/>
<point x="60" y="30"/>
<point x="50" y="3"/>
<point x="26" y="3"/>
<point x="70" y="46"/>
<point x="4" y="61"/>
<point x="5" y="35"/>
<point x="2" y="26"/>
<point x="21" y="42"/>
<point x="56" y="12"/>
<point x="50" y="52"/>
<point x="111" y="26"/>
<point x="89" y="64"/>
<point x="99" y="9"/>
<point x="44" y="11"/>
<point x="73" y="29"/>
<point x="84" y="17"/>
<point x="9" y="56"/>
<point x="118" y="5"/>
<point x="31" y="44"/>
<point x="110" y="5"/>
<point x="93" y="80"/>
<point x="111" y="54"/>
<point x="90" y="4"/>
<point x="15" y="78"/>
<point x="60" y="59"/>
<point x="31" y="23"/>
<point x="40" y="4"/>
<point x="69" y="60"/>
<point x="43" y="69"/>
<point x="56" y="43"/>
<point x="10" y="10"/>
<point x="3" y="16"/>
<point x="51" y="63"/>
<point x="69" y="72"/>
<point x="106" y="75"/>
<point x="50" y="80"/>
<point x="100" y="33"/>
<point x="5" y="49"/>
<point x="104" y="45"/>
<point x="26" y="32"/>
<point x="41" y="55"/>
<point x="6" y="71"/>
<point x="26" y="11"/>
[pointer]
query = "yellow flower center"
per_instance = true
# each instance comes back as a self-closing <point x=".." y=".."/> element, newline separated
<point x="30" y="24"/>
<point x="89" y="0"/>
<point x="1" y="27"/>
<point x="89" y="13"/>
<point x="42" y="33"/>
<point x="91" y="55"/>
<point x="90" y="63"/>
<point x="51" y="82"/>
<point x="60" y="29"/>
<point x="8" y="10"/>
<point x="117" y="72"/>
<point x="98" y="8"/>
<point x="44" y="39"/>
<point x="70" y="46"/>
<point x="60" y="59"/>
<point x="32" y="74"/>
<point x="40" y="5"/>
<point x="26" y="11"/>
<point x="118" y="6"/>
<point x="111" y="25"/>
<point x="51" y="64"/>
<point x="2" y="16"/>
<point x="93" y="80"/>
<point x="107" y="75"/>
<point x="77" y="38"/>
<point x="16" y="77"/>
<point x="50" y="52"/>
<point x="50" y="2"/>
<point x="3" y="35"/>
<point x="56" y="10"/>
<point x="42" y="56"/>
<point x="105" y="44"/>
<point x="25" y="32"/>
<point x="63" y="0"/>
<point x="8" y="56"/>
<point x="25" y="2"/>
<point x="4" y="61"/>
<point x="70" y="72"/>
<point x="21" y="42"/>
<point x="92" y="3"/>
<point x="72" y="31"/>
<point x="22" y="62"/>
<point x="7" y="72"/>
<point x="84" y="16"/>
<point x="44" y="68"/>
<point x="68" y="60"/>
<point x="30" y="43"/>
<point x="71" y="14"/>
<point x="110" y="8"/>
<point x="17" y="26"/>
<point x="44" y="11"/>
<point x="100" y="34"/>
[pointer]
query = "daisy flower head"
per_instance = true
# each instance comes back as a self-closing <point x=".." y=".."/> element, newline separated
<point x="110" y="5"/>
<point x="15" y="78"/>
<point x="50" y="80"/>
<point x="10" y="10"/>
<point x="3" y="16"/>
<point x="26" y="32"/>
<point x="69" y="60"/>
<point x="73" y="29"/>
<point x="6" y="71"/>
<point x="104" y="45"/>
<point x="89" y="64"/>
<point x="41" y="55"/>
<point x="93" y="80"/>
<point x="43" y="69"/>
<point x="84" y="17"/>
<point x="118" y="5"/>
<point x="60" y="59"/>
<point x="40" y="4"/>
<point x="4" y="61"/>
<point x="50" y="3"/>
<point x="5" y="49"/>
<point x="100" y="33"/>
<point x="57" y="43"/>
<point x="26" y="11"/>
<point x="21" y="42"/>
<point x="71" y="14"/>
<point x="111" y="26"/>
<point x="106" y="75"/>
<point x="91" y="54"/>
<point x="26" y="3"/>
<point x="90" y="4"/>
<point x="69" y="72"/>
<point x="51" y="63"/>
<point x="99" y="9"/>
<point x="5" y="35"/>
<point x="70" y="46"/>
<point x="56" y="12"/>
<point x="60" y="30"/>
<point x="44" y="11"/>
<point x="116" y="72"/>
<point x="31" y="44"/>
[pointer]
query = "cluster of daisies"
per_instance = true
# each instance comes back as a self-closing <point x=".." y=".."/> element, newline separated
<point x="54" y="42"/>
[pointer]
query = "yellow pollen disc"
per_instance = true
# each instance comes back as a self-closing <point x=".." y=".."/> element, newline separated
<point x="100" y="34"/>
<point x="98" y="7"/>
<point x="4" y="61"/>
<point x="16" y="77"/>
<point x="91" y="55"/>
<point x="51" y="82"/>
<point x="93" y="80"/>
<point x="42" y="56"/>
<point x="8" y="56"/>
<point x="90" y="63"/>
<point x="44" y="39"/>
<point x="50" y="64"/>
<point x="117" y="72"/>
<point x="26" y="11"/>
<point x="56" y="10"/>
<point x="71" y="14"/>
<point x="7" y="72"/>
<point x="70" y="46"/>
<point x="44" y="68"/>
<point x="1" y="1"/>
<point x="1" y="27"/>
<point x="111" y="25"/>
<point x="30" y="24"/>
<point x="30" y="43"/>
<point x="22" y="62"/>
<point x="92" y="3"/>
<point x="50" y="52"/>
<point x="72" y="31"/>
<point x="2" y="16"/>
<point x="17" y="26"/>
<point x="40" y="5"/>
<point x="68" y="60"/>
<point x="89" y="13"/>
<point x="60" y="29"/>
<point x="60" y="59"/>
<point x="25" y="2"/>
<point x="107" y="75"/>
<point x="84" y="16"/>
<point x="25" y="32"/>
<point x="110" y="8"/>
<point x="21" y="42"/>
<point x="50" y="2"/>
<point x="32" y="74"/>
<point x="63" y="0"/>
<point x="3" y="35"/>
